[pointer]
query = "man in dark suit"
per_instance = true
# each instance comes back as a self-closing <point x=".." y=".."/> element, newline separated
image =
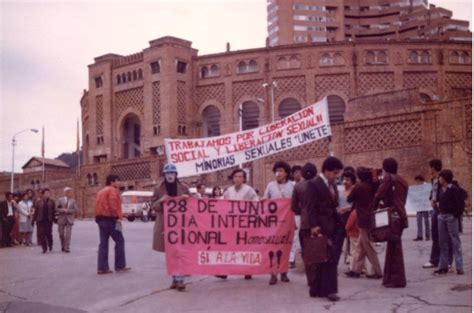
<point x="324" y="220"/>
<point x="44" y="217"/>
<point x="7" y="218"/>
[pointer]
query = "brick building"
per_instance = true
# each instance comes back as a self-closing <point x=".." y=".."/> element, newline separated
<point x="296" y="21"/>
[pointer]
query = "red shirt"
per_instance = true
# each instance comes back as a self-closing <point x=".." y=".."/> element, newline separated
<point x="108" y="203"/>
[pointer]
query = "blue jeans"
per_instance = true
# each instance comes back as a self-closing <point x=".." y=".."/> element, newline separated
<point x="106" y="230"/>
<point x="420" y="216"/>
<point x="178" y="277"/>
<point x="448" y="232"/>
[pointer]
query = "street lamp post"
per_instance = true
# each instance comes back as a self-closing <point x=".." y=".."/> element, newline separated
<point x="273" y="85"/>
<point x="13" y="154"/>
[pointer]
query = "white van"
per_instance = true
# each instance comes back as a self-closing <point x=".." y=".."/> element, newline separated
<point x="133" y="201"/>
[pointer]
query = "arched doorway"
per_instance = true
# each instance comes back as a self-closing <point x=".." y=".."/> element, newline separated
<point x="131" y="133"/>
<point x="337" y="108"/>
<point x="250" y="115"/>
<point x="288" y="107"/>
<point x="211" y="121"/>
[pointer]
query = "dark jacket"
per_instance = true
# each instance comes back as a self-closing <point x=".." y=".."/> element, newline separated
<point x="299" y="204"/>
<point x="393" y="191"/>
<point x="363" y="198"/>
<point x="3" y="209"/>
<point x="322" y="207"/>
<point x="447" y="200"/>
<point x="44" y="212"/>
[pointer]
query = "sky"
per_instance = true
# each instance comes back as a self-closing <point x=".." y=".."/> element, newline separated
<point x="45" y="47"/>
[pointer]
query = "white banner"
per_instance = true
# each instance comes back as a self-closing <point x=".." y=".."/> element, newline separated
<point x="205" y="155"/>
<point x="418" y="198"/>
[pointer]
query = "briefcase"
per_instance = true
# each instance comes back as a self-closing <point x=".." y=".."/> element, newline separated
<point x="385" y="225"/>
<point x="315" y="250"/>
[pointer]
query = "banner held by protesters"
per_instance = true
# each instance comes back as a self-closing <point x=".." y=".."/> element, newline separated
<point x="227" y="237"/>
<point x="204" y="155"/>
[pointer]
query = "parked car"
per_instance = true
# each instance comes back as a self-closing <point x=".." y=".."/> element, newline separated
<point x="133" y="202"/>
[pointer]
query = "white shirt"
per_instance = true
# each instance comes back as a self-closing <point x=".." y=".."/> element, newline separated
<point x="10" y="209"/>
<point x="275" y="190"/>
<point x="244" y="193"/>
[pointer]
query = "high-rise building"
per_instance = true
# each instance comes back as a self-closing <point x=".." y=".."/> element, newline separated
<point x="297" y="21"/>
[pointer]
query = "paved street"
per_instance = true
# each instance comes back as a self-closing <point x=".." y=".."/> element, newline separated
<point x="65" y="283"/>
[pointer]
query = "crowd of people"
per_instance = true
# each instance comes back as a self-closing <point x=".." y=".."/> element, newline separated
<point x="21" y="212"/>
<point x="337" y="203"/>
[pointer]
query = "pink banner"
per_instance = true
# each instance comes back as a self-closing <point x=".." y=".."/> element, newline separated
<point x="227" y="237"/>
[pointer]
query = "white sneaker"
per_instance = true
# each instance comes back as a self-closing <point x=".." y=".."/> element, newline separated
<point x="450" y="269"/>
<point x="428" y="265"/>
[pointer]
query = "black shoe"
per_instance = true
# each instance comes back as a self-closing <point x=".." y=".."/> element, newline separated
<point x="63" y="250"/>
<point x="44" y="251"/>
<point x="292" y="265"/>
<point x="174" y="284"/>
<point x="418" y="239"/>
<point x="221" y="276"/>
<point x="67" y="250"/>
<point x="394" y="286"/>
<point x="104" y="272"/>
<point x="441" y="272"/>
<point x="247" y="277"/>
<point x="460" y="272"/>
<point x="352" y="274"/>
<point x="375" y="276"/>
<point x="50" y="248"/>
<point x="428" y="238"/>
<point x="333" y="297"/>
<point x="180" y="286"/>
<point x="284" y="278"/>
<point x="273" y="280"/>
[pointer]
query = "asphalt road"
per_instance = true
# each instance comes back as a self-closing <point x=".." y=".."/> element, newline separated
<point x="67" y="283"/>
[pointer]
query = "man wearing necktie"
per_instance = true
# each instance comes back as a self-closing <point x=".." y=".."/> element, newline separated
<point x="66" y="210"/>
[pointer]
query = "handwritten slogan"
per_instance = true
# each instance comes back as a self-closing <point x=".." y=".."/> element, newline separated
<point x="418" y="198"/>
<point x="227" y="237"/>
<point x="204" y="155"/>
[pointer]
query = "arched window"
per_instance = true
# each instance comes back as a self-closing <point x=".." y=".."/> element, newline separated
<point x="140" y="74"/>
<point x="211" y="117"/>
<point x="119" y="79"/>
<point x="288" y="107"/>
<point x="381" y="57"/>
<point x="135" y="76"/>
<point x="242" y="67"/>
<point x="129" y="76"/>
<point x="250" y="115"/>
<point x="337" y="108"/>
<point x="463" y="58"/>
<point x="425" y="57"/>
<point x="204" y="72"/>
<point x="370" y="57"/>
<point x="124" y="78"/>
<point x="326" y="59"/>
<point x="413" y="57"/>
<point x="282" y="63"/>
<point x="453" y="57"/>
<point x="295" y="62"/>
<point x="214" y="71"/>
<point x="252" y="66"/>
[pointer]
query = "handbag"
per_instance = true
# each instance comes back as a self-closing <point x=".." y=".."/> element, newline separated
<point x="315" y="250"/>
<point x="385" y="225"/>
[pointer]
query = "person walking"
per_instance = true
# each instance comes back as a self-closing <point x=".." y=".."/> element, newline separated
<point x="448" y="225"/>
<point x="281" y="187"/>
<point x="66" y="209"/>
<point x="44" y="212"/>
<point x="108" y="216"/>
<point x="26" y="211"/>
<point x="362" y="196"/>
<point x="239" y="191"/>
<point x="393" y="191"/>
<point x="169" y="187"/>
<point x="324" y="220"/>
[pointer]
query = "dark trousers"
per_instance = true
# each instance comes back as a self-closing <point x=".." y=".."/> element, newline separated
<point x="435" y="250"/>
<point x="340" y="236"/>
<point x="106" y="230"/>
<point x="394" y="269"/>
<point x="45" y="235"/>
<point x="7" y="226"/>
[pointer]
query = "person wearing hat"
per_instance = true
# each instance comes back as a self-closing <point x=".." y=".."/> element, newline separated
<point x="169" y="187"/>
<point x="66" y="210"/>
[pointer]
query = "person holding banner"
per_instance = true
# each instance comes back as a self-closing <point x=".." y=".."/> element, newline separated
<point x="324" y="221"/>
<point x="170" y="187"/>
<point x="281" y="187"/>
<point x="239" y="191"/>
<point x="422" y="216"/>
